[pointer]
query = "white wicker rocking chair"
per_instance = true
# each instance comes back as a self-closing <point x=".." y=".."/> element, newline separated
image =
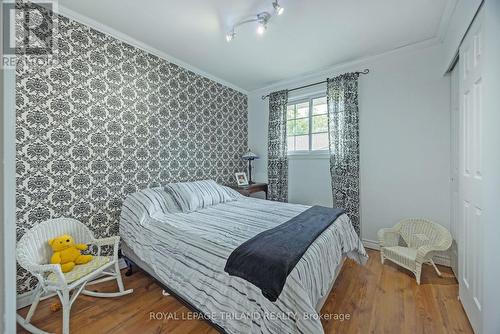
<point x="422" y="237"/>
<point x="33" y="254"/>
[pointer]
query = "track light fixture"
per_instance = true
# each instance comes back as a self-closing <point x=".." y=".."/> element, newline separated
<point x="262" y="20"/>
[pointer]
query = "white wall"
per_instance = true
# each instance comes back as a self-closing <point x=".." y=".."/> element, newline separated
<point x="404" y="134"/>
<point x="309" y="181"/>
<point x="491" y="167"/>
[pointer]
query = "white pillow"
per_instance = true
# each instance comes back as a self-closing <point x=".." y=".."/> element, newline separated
<point x="142" y="205"/>
<point x="191" y="196"/>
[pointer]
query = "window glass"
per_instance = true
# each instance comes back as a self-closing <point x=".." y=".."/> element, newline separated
<point x="291" y="143"/>
<point x="302" y="110"/>
<point x="307" y="125"/>
<point x="290" y="127"/>
<point x="319" y="123"/>
<point x="302" y="126"/>
<point x="302" y="143"/>
<point x="319" y="106"/>
<point x="320" y="141"/>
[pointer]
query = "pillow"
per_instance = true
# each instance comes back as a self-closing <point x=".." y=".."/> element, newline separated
<point x="191" y="196"/>
<point x="145" y="203"/>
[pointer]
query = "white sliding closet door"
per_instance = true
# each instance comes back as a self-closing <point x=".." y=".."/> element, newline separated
<point x="471" y="180"/>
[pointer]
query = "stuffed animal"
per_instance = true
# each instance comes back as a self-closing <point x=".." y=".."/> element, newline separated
<point x="67" y="254"/>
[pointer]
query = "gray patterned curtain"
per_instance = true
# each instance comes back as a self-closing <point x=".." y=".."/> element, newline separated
<point x="277" y="163"/>
<point x="343" y="124"/>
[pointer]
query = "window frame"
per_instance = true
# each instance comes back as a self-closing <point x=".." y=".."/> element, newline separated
<point x="309" y="152"/>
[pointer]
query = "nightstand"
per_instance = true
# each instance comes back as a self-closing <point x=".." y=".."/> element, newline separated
<point x="250" y="189"/>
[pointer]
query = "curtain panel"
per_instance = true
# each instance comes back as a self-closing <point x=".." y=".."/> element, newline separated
<point x="277" y="168"/>
<point x="343" y="127"/>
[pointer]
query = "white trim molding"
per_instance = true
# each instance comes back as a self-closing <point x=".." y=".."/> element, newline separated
<point x="444" y="24"/>
<point x="460" y="14"/>
<point x="85" y="20"/>
<point x="340" y="67"/>
<point x="371" y="244"/>
<point x="441" y="259"/>
<point x="8" y="197"/>
<point x="322" y="154"/>
<point x="446" y="19"/>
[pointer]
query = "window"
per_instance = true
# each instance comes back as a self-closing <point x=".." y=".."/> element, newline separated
<point x="307" y="125"/>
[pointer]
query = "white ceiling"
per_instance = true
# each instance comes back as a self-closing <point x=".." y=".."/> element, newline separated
<point x="311" y="35"/>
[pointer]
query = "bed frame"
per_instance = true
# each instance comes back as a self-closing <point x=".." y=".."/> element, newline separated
<point x="133" y="260"/>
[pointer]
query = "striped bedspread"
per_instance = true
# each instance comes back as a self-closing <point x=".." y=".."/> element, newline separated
<point x="188" y="251"/>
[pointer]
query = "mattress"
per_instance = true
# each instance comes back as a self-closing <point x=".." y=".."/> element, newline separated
<point x="188" y="252"/>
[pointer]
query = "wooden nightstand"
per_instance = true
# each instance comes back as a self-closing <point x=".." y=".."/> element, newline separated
<point x="250" y="189"/>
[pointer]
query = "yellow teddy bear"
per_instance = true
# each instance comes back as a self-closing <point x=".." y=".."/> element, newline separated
<point x="67" y="254"/>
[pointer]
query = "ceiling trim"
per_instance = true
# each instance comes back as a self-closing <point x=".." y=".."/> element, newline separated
<point x="446" y="19"/>
<point x="71" y="14"/>
<point x="437" y="39"/>
<point x="348" y="64"/>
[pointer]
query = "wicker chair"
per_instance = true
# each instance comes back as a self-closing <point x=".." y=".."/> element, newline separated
<point x="422" y="237"/>
<point x="33" y="254"/>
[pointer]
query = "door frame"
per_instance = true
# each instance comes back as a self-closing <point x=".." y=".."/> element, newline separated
<point x="7" y="197"/>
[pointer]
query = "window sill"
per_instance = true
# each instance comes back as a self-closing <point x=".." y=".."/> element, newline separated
<point x="308" y="155"/>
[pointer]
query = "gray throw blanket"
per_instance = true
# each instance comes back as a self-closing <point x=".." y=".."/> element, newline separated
<point x="268" y="258"/>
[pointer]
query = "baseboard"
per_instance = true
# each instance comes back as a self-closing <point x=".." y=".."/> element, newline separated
<point x="441" y="259"/>
<point x="25" y="299"/>
<point x="371" y="244"/>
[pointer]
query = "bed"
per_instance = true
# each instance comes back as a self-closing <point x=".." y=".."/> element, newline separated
<point x="187" y="253"/>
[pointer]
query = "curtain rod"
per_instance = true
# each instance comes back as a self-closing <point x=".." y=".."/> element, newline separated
<point x="365" y="71"/>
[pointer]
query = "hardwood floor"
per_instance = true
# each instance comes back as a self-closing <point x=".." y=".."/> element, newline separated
<point x="378" y="299"/>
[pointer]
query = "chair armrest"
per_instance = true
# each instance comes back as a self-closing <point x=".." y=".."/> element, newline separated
<point x="43" y="268"/>
<point x="106" y="241"/>
<point x="424" y="251"/>
<point x="109" y="241"/>
<point x="40" y="269"/>
<point x="388" y="237"/>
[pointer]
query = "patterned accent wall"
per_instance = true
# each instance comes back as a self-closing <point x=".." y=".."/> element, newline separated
<point x="113" y="119"/>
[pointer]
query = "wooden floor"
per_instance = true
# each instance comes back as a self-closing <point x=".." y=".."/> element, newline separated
<point x="378" y="299"/>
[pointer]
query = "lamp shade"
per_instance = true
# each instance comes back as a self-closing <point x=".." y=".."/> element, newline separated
<point x="249" y="156"/>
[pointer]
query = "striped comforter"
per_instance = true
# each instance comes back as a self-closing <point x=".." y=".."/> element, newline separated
<point x="188" y="251"/>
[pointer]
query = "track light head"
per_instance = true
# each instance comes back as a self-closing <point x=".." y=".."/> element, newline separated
<point x="261" y="28"/>
<point x="230" y="36"/>
<point x="277" y="8"/>
<point x="262" y="19"/>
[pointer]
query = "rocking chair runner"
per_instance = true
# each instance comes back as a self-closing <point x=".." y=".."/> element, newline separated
<point x="33" y="254"/>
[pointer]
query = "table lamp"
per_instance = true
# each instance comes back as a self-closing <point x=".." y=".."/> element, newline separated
<point x="250" y="156"/>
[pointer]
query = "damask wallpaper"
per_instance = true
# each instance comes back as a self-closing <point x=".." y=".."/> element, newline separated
<point x="112" y="119"/>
